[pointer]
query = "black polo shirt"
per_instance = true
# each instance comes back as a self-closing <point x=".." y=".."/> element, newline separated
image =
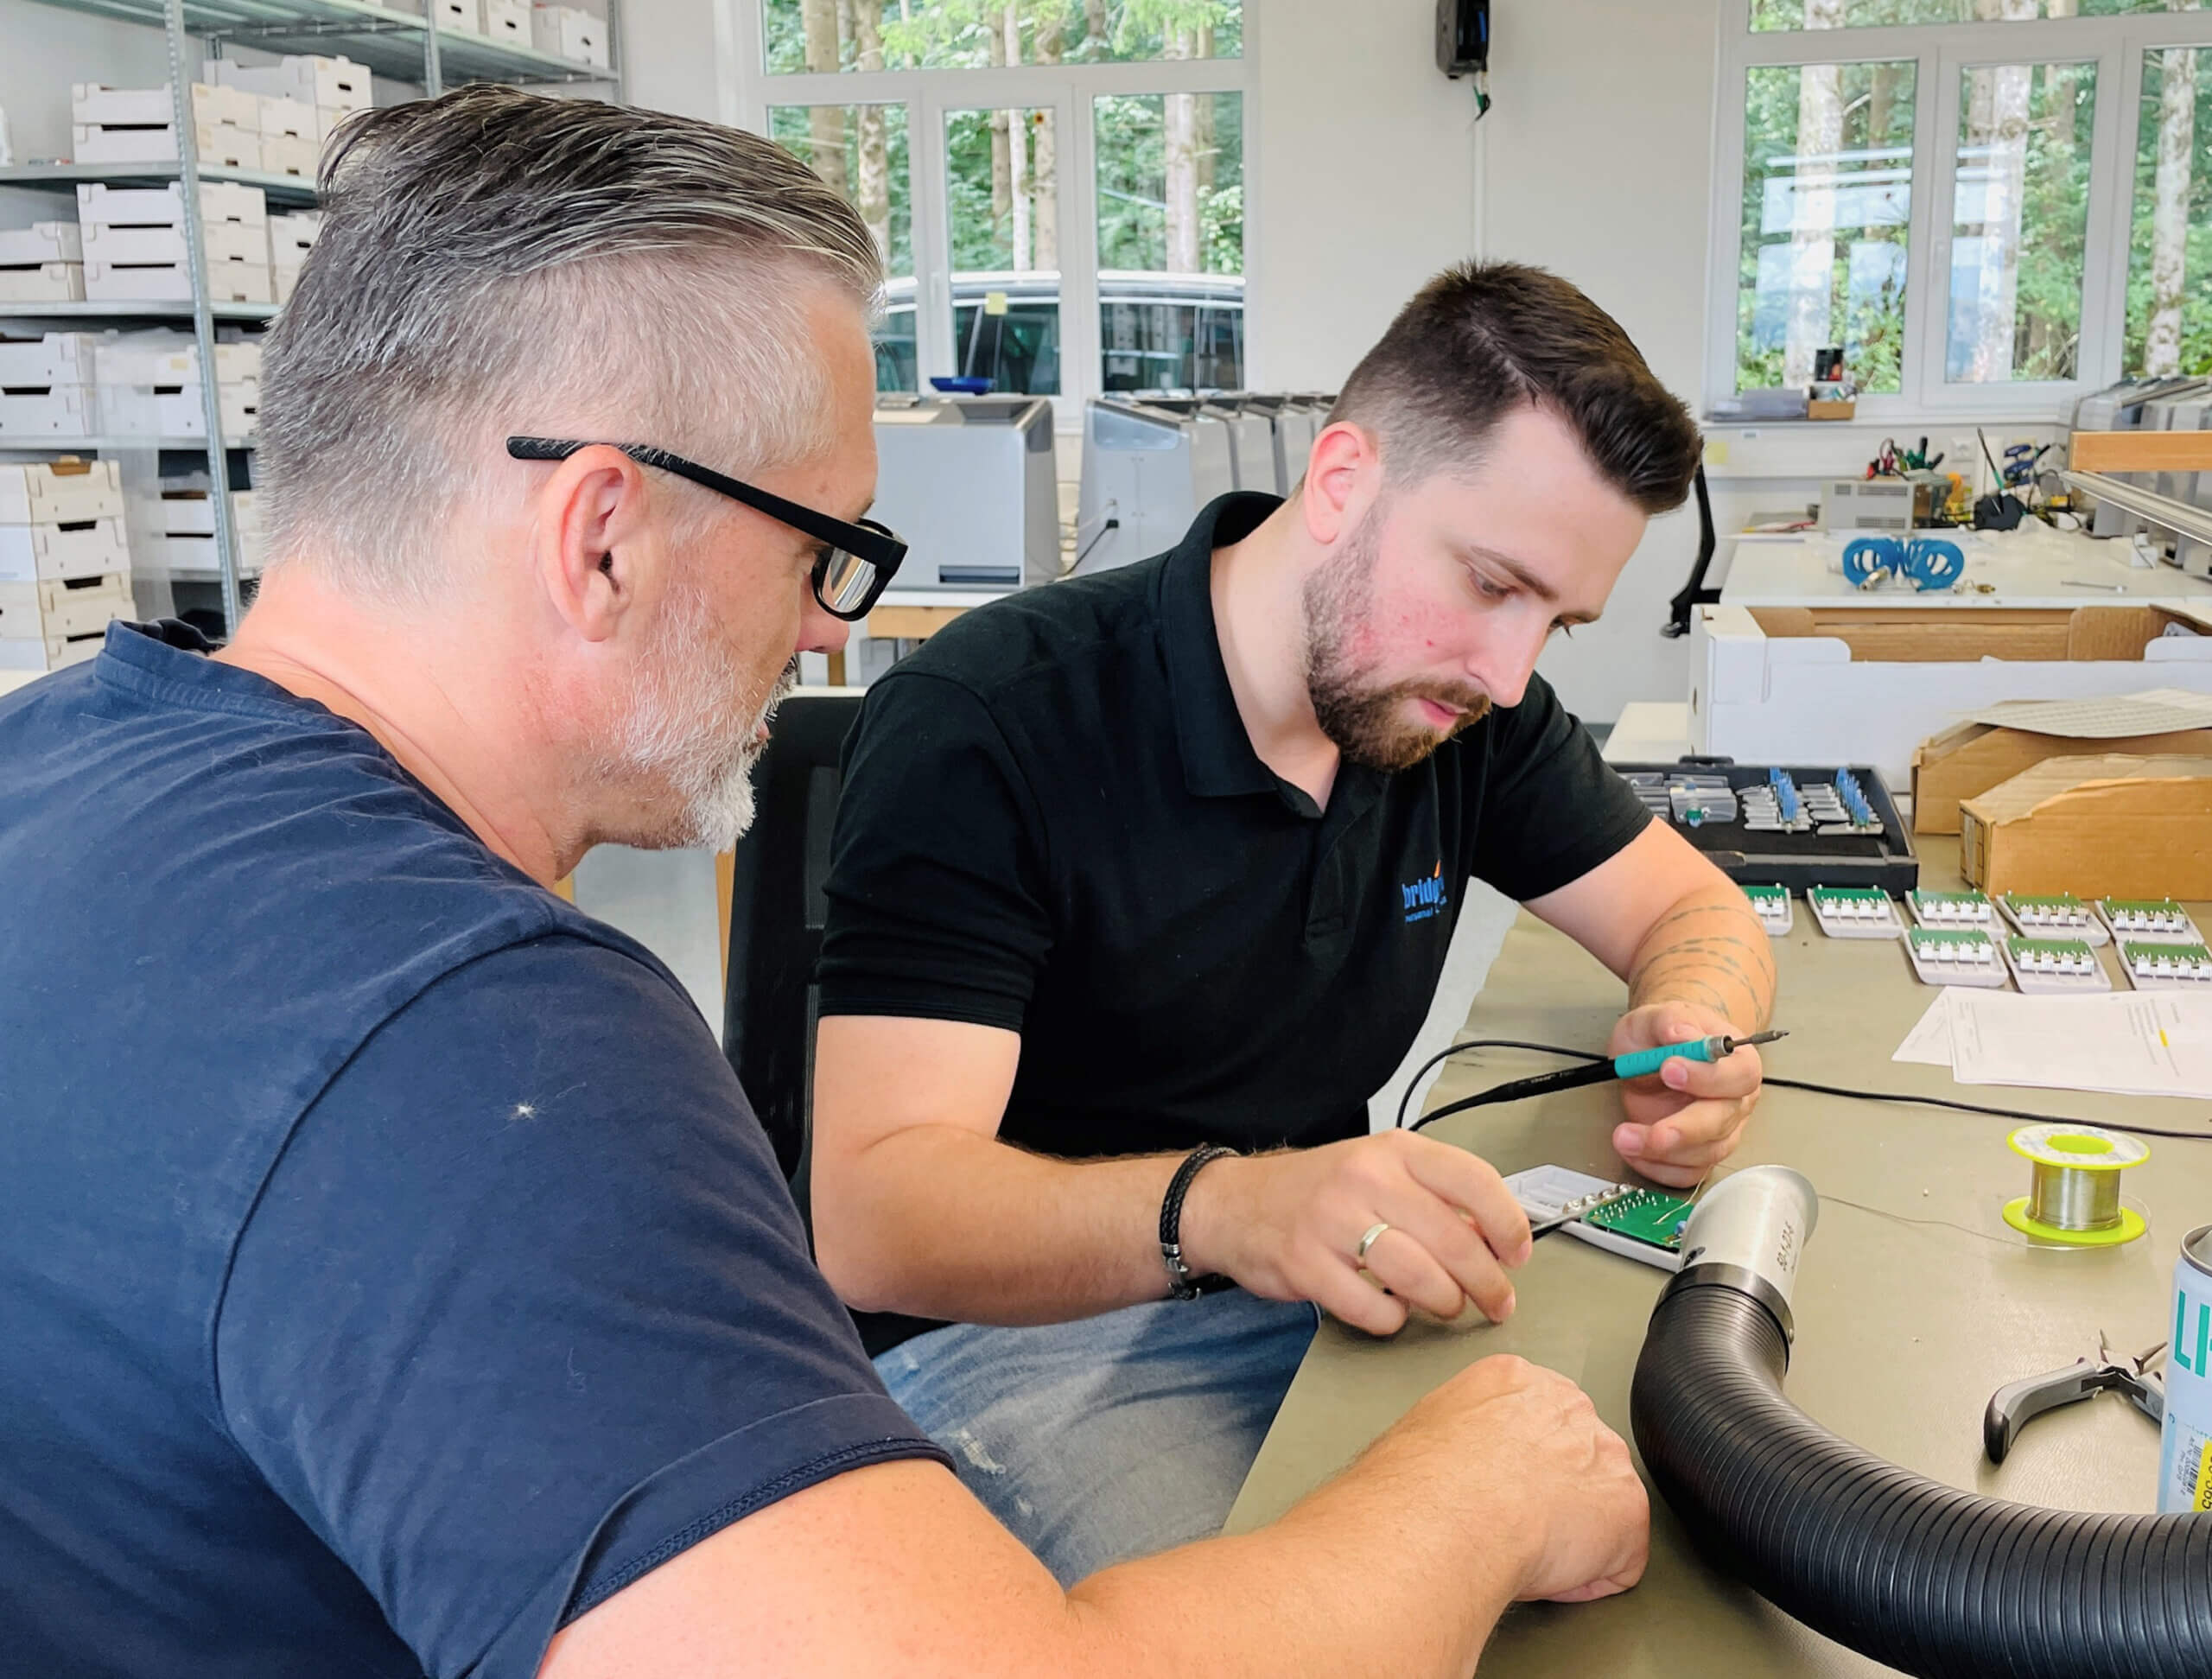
<point x="1053" y="821"/>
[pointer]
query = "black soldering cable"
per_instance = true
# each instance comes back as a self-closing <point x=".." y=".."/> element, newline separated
<point x="1519" y="1090"/>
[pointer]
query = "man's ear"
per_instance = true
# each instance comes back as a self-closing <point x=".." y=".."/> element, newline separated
<point x="589" y="518"/>
<point x="1342" y="474"/>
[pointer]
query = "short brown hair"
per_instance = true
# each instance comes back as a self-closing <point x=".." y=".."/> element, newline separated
<point x="1483" y="338"/>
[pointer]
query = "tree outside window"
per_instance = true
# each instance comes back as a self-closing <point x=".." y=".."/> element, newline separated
<point x="2170" y="242"/>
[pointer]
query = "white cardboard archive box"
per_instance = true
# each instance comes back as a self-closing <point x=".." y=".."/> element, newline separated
<point x="54" y="554"/>
<point x="45" y="282"/>
<point x="195" y="558"/>
<point x="507" y="20"/>
<point x="336" y="84"/>
<point x="282" y="116"/>
<point x="570" y="32"/>
<point x="161" y="358"/>
<point x="291" y="239"/>
<point x="48" y="359"/>
<point x="466" y="16"/>
<point x="1848" y="684"/>
<point x="82" y="606"/>
<point x="191" y="513"/>
<point x="176" y="412"/>
<point x="103" y="206"/>
<point x="220" y="145"/>
<point x="284" y="154"/>
<point x="59" y="410"/>
<point x="95" y="106"/>
<point x="238" y="281"/>
<point x="223" y="241"/>
<point x="64" y="492"/>
<point x="40" y="242"/>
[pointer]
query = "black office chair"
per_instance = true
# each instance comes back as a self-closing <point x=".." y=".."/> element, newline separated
<point x="777" y="909"/>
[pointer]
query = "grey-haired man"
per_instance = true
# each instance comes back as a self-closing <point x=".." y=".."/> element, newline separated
<point x="394" y="1279"/>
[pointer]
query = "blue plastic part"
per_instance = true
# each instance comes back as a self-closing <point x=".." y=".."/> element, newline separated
<point x="1785" y="793"/>
<point x="1932" y="562"/>
<point x="1867" y="560"/>
<point x="1854" y="799"/>
<point x="1639" y="1062"/>
<point x="961" y="384"/>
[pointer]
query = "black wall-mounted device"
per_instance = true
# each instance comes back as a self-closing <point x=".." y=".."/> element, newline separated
<point x="1462" y="36"/>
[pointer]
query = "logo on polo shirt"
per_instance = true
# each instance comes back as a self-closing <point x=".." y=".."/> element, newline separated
<point x="1425" y="897"/>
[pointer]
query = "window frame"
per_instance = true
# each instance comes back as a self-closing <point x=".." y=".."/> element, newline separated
<point x="1940" y="53"/>
<point x="1068" y="90"/>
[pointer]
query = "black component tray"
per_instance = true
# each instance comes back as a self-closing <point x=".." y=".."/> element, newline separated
<point x="1798" y="861"/>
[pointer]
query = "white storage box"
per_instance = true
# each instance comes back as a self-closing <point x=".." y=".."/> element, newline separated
<point x="282" y="154"/>
<point x="291" y="239"/>
<point x="95" y="106"/>
<point x="191" y="513"/>
<point x="55" y="653"/>
<point x="100" y="205"/>
<point x="172" y="358"/>
<point x="197" y="556"/>
<point x="65" y="492"/>
<point x="57" y="553"/>
<point x="52" y="359"/>
<point x="233" y="282"/>
<point x="507" y="20"/>
<point x="47" y="282"/>
<point x="1865" y="685"/>
<point x="466" y="16"/>
<point x="175" y="411"/>
<point x="283" y="115"/>
<point x="334" y="84"/>
<point x="59" y="410"/>
<point x="282" y="282"/>
<point x="224" y="241"/>
<point x="220" y="145"/>
<point x="568" y="32"/>
<point x="76" y="607"/>
<point x="40" y="243"/>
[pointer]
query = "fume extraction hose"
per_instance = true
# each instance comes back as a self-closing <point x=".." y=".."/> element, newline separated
<point x="1899" y="1567"/>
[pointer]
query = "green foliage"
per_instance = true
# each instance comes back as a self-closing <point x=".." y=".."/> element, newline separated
<point x="2197" y="268"/>
<point x="1131" y="145"/>
<point x="1875" y="14"/>
<point x="790" y="126"/>
<point x="935" y="34"/>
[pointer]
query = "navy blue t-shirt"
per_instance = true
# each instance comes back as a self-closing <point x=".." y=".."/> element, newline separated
<point x="390" y="1268"/>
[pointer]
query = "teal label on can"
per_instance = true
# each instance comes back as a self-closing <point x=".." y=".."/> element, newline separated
<point x="2185" y="1437"/>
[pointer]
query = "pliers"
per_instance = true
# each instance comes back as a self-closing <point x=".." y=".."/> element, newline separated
<point x="2014" y="1403"/>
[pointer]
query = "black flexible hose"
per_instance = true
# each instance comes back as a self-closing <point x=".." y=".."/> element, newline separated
<point x="1904" y="1569"/>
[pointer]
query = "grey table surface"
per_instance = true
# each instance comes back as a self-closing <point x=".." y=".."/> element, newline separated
<point x="1915" y="1300"/>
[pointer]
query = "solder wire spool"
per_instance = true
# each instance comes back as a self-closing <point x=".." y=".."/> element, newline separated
<point x="2073" y="1195"/>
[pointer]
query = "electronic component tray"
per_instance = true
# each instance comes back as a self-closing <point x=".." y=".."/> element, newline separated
<point x="1881" y="858"/>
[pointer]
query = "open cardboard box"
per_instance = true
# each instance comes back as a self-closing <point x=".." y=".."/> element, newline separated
<point x="1971" y="758"/>
<point x="1865" y="684"/>
<point x="2111" y="825"/>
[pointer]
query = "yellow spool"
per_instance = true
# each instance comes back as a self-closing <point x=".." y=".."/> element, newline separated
<point x="2074" y="1190"/>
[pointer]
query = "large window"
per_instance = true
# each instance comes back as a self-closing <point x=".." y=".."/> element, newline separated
<point x="1989" y="205"/>
<point x="1058" y="185"/>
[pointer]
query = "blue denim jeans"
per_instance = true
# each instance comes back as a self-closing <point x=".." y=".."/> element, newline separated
<point x="1112" y="1437"/>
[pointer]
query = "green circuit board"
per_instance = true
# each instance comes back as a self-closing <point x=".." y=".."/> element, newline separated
<point x="1646" y="1215"/>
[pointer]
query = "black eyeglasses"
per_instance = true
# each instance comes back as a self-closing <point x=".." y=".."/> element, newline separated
<point x="857" y="561"/>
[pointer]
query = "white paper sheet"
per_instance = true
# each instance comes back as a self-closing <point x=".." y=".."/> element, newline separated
<point x="1929" y="1042"/>
<point x="2154" y="711"/>
<point x="2129" y="1043"/>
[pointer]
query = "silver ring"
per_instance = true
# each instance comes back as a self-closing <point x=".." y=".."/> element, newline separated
<point x="1374" y="1234"/>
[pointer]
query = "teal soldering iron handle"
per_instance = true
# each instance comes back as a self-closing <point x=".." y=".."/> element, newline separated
<point x="1640" y="1062"/>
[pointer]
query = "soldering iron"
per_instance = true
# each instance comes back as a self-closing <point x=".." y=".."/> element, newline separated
<point x="1635" y="1064"/>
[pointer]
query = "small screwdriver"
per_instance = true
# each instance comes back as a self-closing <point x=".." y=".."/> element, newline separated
<point x="1635" y="1064"/>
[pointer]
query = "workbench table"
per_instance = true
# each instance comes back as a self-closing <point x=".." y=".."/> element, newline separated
<point x="1914" y="1304"/>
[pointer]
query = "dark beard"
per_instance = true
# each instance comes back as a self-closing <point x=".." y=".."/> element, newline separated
<point x="1363" y="721"/>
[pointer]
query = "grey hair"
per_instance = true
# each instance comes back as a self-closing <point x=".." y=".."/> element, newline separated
<point x="494" y="262"/>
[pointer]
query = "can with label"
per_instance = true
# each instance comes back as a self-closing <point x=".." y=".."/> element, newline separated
<point x="2185" y="1437"/>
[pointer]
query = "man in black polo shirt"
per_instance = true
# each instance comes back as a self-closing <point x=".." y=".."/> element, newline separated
<point x="1137" y="870"/>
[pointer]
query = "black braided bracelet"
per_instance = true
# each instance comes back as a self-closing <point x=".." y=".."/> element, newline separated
<point x="1181" y="1284"/>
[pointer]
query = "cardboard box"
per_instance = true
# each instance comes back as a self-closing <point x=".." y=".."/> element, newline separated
<point x="507" y="20"/>
<point x="48" y="359"/>
<point x="191" y="513"/>
<point x="282" y="154"/>
<point x="40" y="243"/>
<point x="49" y="553"/>
<point x="196" y="557"/>
<point x="568" y="32"/>
<point x="2110" y="825"/>
<point x="64" y="492"/>
<point x="158" y="358"/>
<point x="223" y="241"/>
<point x="220" y="145"/>
<point x="59" y="410"/>
<point x="466" y="16"/>
<point x="47" y="282"/>
<point x="86" y="604"/>
<point x="95" y="105"/>
<point x="336" y="84"/>
<point x="232" y="282"/>
<point x="1970" y="758"/>
<point x="101" y="204"/>
<point x="1831" y="411"/>
<point x="176" y="410"/>
<point x="283" y="115"/>
<point x="291" y="239"/>
<point x="1865" y="684"/>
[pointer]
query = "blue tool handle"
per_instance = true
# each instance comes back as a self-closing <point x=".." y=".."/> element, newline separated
<point x="1642" y="1061"/>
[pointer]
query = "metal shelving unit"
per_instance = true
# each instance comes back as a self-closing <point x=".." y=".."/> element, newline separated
<point x="392" y="43"/>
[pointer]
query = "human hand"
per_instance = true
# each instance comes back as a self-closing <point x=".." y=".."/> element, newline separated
<point x="1289" y="1225"/>
<point x="1529" y="1436"/>
<point x="1686" y="1117"/>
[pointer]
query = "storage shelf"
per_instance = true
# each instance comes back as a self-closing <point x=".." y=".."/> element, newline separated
<point x="389" y="42"/>
<point x="106" y="311"/>
<point x="291" y="190"/>
<point x="96" y="445"/>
